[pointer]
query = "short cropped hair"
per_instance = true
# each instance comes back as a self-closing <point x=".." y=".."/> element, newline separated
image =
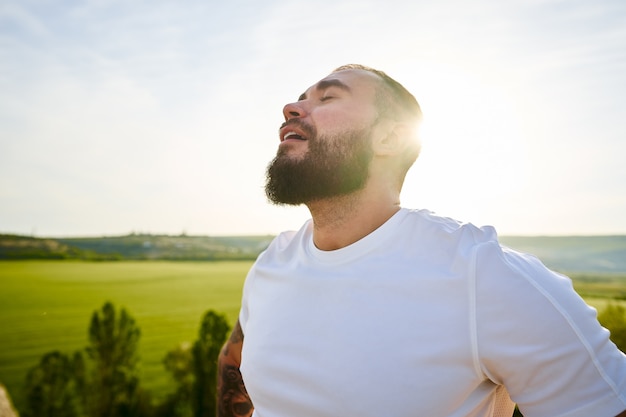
<point x="396" y="102"/>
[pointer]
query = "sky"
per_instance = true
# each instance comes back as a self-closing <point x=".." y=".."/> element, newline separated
<point x="122" y="117"/>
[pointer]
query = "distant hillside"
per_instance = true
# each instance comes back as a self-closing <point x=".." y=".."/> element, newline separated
<point x="572" y="254"/>
<point x="134" y="246"/>
<point x="174" y="247"/>
<point x="24" y="247"/>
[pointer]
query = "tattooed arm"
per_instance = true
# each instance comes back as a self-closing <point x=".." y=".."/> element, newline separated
<point x="232" y="397"/>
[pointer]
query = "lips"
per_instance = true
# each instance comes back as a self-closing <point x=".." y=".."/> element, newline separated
<point x="294" y="130"/>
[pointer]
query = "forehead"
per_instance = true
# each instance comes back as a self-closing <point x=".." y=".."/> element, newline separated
<point x="357" y="82"/>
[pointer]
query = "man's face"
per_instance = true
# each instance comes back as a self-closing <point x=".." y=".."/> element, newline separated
<point x="325" y="147"/>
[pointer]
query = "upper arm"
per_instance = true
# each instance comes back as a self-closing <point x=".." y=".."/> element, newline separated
<point x="231" y="351"/>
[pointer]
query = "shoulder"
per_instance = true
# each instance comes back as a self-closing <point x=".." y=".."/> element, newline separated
<point x="477" y="248"/>
<point x="433" y="223"/>
<point x="445" y="234"/>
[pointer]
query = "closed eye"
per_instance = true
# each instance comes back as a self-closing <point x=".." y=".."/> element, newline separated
<point x="323" y="87"/>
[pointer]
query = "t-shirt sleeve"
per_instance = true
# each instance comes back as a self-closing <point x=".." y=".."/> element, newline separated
<point x="536" y="336"/>
<point x="244" y="311"/>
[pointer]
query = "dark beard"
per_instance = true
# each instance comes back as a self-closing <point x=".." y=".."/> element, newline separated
<point x="331" y="167"/>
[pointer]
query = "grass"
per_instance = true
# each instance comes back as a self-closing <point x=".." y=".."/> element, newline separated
<point x="47" y="305"/>
<point x="600" y="285"/>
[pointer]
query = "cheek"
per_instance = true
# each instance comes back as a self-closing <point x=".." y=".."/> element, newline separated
<point x="335" y="122"/>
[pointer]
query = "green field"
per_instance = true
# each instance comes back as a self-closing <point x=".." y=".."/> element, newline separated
<point x="47" y="305"/>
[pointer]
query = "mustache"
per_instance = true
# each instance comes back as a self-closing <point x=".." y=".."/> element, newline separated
<point x="308" y="130"/>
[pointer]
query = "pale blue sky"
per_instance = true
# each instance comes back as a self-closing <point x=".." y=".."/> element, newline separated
<point x="160" y="117"/>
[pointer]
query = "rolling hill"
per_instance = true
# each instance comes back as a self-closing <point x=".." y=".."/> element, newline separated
<point x="579" y="254"/>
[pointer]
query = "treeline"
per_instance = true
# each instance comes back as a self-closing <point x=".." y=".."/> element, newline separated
<point x="103" y="379"/>
<point x="134" y="247"/>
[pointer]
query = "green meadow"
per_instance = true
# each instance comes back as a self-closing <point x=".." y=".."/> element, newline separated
<point x="47" y="305"/>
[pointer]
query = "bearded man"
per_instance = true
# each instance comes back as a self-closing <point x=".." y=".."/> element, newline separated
<point x="372" y="309"/>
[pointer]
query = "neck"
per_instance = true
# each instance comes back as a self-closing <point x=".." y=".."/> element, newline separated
<point x="341" y="221"/>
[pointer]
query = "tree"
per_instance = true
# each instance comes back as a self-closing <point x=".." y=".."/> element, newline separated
<point x="179" y="363"/>
<point x="50" y="387"/>
<point x="214" y="329"/>
<point x="114" y="383"/>
<point x="194" y="368"/>
<point x="613" y="317"/>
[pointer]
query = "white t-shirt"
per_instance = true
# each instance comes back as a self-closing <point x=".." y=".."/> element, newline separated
<point x="423" y="317"/>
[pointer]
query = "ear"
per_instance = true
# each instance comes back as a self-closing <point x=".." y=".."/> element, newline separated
<point x="390" y="141"/>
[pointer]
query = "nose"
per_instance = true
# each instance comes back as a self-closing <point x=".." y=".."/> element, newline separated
<point x="293" y="111"/>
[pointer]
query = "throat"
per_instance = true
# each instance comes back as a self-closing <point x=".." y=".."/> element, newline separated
<point x="342" y="221"/>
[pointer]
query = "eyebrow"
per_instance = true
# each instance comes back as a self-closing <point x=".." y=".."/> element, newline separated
<point x="324" y="84"/>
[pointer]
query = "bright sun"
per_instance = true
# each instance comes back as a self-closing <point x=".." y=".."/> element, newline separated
<point x="473" y="161"/>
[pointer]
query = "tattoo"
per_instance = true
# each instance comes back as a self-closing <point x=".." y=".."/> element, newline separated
<point x="233" y="398"/>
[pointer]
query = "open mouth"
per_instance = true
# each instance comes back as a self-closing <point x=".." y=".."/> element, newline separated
<point x="293" y="136"/>
<point x="295" y="130"/>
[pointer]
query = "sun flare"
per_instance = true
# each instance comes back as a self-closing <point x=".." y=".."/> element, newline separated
<point x="473" y="160"/>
